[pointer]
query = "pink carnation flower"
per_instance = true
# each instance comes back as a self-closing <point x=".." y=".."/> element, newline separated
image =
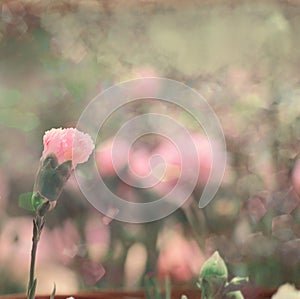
<point x="68" y="144"/>
<point x="179" y="258"/>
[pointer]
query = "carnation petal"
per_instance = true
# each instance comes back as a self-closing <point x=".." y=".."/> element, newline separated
<point x="68" y="144"/>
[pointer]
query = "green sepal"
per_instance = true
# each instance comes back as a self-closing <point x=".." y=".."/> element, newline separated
<point x="43" y="208"/>
<point x="37" y="201"/>
<point x="239" y="280"/>
<point x="236" y="284"/>
<point x="25" y="201"/>
<point x="65" y="169"/>
<point x="52" y="177"/>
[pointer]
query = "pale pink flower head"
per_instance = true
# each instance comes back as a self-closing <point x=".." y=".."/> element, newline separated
<point x="68" y="144"/>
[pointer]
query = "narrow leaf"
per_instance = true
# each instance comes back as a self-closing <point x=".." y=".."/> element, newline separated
<point x="148" y="288"/>
<point x="156" y="290"/>
<point x="53" y="292"/>
<point x="152" y="289"/>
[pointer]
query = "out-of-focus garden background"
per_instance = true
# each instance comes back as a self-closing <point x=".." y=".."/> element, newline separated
<point x="242" y="56"/>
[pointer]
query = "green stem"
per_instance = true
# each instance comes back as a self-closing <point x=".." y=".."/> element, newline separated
<point x="38" y="224"/>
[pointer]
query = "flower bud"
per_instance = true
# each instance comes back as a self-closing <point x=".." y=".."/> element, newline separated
<point x="52" y="177"/>
<point x="63" y="150"/>
<point x="213" y="277"/>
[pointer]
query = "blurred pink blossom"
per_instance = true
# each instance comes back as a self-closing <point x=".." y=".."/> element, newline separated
<point x="139" y="163"/>
<point x="97" y="236"/>
<point x="158" y="169"/>
<point x="173" y="163"/>
<point x="91" y="271"/>
<point x="179" y="258"/>
<point x="68" y="144"/>
<point x="109" y="164"/>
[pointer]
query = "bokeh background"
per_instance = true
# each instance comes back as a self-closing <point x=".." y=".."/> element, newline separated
<point x="242" y="56"/>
